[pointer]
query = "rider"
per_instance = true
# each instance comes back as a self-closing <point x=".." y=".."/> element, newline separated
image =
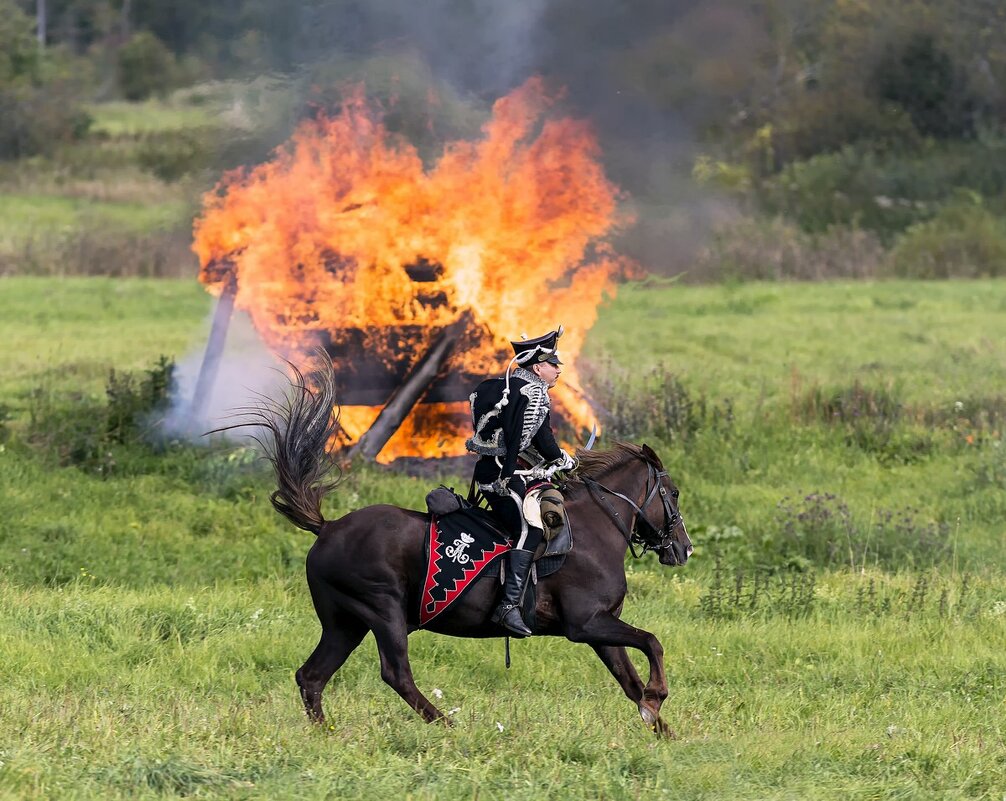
<point x="510" y="415"/>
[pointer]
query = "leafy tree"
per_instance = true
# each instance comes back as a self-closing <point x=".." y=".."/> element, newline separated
<point x="922" y="79"/>
<point x="37" y="103"/>
<point x="146" y="67"/>
<point x="19" y="52"/>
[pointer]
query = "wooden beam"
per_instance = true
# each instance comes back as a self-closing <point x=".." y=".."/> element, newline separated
<point x="412" y="388"/>
<point x="214" y="349"/>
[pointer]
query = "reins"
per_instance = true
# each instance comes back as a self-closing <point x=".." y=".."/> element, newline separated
<point x="655" y="539"/>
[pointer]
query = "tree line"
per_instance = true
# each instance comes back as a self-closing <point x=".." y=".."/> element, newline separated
<point x="871" y="113"/>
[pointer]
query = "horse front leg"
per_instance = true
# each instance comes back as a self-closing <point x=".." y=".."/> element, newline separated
<point x="620" y="666"/>
<point x="617" y="661"/>
<point x="608" y="631"/>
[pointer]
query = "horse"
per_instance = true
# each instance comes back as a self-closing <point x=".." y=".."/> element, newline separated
<point x="365" y="570"/>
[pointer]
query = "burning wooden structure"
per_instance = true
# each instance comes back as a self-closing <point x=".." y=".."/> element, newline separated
<point x="413" y="278"/>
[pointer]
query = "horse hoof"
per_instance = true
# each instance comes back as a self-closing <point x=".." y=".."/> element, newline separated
<point x="647" y="715"/>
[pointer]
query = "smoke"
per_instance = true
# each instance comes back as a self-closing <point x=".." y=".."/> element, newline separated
<point x="615" y="62"/>
<point x="438" y="66"/>
<point x="247" y="372"/>
<point x="487" y="51"/>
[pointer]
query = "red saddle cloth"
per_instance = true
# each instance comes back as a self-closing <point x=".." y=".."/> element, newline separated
<point x="460" y="547"/>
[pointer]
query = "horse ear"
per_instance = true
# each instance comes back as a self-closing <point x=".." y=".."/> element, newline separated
<point x="650" y="456"/>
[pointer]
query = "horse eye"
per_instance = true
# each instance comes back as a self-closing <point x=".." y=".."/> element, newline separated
<point x="674" y="492"/>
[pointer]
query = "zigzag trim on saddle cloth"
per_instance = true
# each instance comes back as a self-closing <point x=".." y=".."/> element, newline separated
<point x="461" y="545"/>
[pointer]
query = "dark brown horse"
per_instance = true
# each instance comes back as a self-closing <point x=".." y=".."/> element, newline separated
<point x="366" y="569"/>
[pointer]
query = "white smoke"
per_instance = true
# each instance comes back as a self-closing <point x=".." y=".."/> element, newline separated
<point x="247" y="373"/>
<point x="491" y="48"/>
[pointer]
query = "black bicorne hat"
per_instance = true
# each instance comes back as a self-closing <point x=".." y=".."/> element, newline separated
<point x="540" y="349"/>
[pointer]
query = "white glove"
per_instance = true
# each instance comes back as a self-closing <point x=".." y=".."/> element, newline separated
<point x="499" y="486"/>
<point x="567" y="462"/>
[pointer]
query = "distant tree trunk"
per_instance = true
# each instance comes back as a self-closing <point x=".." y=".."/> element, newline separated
<point x="124" y="24"/>
<point x="41" y="22"/>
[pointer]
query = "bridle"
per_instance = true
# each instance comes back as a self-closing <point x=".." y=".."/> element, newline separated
<point x="651" y="538"/>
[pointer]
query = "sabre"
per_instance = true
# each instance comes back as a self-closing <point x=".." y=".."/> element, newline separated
<point x="592" y="439"/>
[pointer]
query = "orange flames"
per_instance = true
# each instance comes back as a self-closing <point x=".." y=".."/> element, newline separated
<point x="346" y="241"/>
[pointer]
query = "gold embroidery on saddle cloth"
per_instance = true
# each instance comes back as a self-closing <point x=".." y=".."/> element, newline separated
<point x="543" y="508"/>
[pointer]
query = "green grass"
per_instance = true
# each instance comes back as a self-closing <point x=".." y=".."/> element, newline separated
<point x="103" y="198"/>
<point x="114" y="693"/>
<point x="27" y="215"/>
<point x="153" y="611"/>
<point x="123" y="118"/>
<point x="934" y="343"/>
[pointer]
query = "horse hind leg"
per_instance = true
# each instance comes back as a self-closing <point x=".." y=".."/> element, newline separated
<point x="338" y="641"/>
<point x="393" y="646"/>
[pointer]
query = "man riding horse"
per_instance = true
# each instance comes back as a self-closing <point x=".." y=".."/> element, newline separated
<point x="517" y="449"/>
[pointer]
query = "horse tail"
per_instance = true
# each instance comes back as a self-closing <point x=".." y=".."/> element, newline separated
<point x="294" y="432"/>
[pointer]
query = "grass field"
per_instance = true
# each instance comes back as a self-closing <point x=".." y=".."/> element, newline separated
<point x="154" y="611"/>
<point x="117" y="201"/>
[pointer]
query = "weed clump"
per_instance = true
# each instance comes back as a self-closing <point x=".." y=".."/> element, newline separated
<point x="763" y="594"/>
<point x="658" y="405"/>
<point x="972" y="420"/>
<point x="819" y="531"/>
<point x="789" y="594"/>
<point x="85" y="433"/>
<point x="774" y="249"/>
<point x="873" y="420"/>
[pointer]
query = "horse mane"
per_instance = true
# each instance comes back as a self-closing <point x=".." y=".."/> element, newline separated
<point x="595" y="463"/>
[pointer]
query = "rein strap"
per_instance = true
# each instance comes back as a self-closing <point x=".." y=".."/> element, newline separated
<point x="631" y="535"/>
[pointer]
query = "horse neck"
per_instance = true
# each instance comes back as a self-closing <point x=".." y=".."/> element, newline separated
<point x="628" y="478"/>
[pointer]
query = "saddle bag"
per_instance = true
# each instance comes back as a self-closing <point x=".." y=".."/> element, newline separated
<point x="553" y="513"/>
<point x="444" y="500"/>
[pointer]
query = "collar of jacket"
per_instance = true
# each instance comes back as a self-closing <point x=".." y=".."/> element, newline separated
<point x="527" y="375"/>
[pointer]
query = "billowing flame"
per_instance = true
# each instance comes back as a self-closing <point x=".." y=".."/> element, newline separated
<point x="347" y="241"/>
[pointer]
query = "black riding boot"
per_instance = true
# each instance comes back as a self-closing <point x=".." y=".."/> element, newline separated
<point x="507" y="614"/>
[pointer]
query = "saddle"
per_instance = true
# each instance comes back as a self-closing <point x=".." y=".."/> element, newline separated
<point x="464" y="540"/>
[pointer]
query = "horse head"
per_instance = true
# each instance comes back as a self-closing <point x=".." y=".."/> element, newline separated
<point x="670" y="540"/>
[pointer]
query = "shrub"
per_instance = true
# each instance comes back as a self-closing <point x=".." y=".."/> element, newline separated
<point x="824" y="121"/>
<point x="86" y="432"/>
<point x="883" y="192"/>
<point x="819" y="529"/>
<point x="145" y="67"/>
<point x="758" y="249"/>
<point x="20" y="58"/>
<point x="38" y="94"/>
<point x="35" y="120"/>
<point x="849" y="187"/>
<point x="964" y="240"/>
<point x="658" y="405"/>
<point x="923" y="80"/>
<point x="170" y="156"/>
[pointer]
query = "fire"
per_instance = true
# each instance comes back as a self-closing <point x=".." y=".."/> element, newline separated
<point x="345" y="240"/>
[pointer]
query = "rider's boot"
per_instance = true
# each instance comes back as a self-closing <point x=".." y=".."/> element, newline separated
<point x="507" y="614"/>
